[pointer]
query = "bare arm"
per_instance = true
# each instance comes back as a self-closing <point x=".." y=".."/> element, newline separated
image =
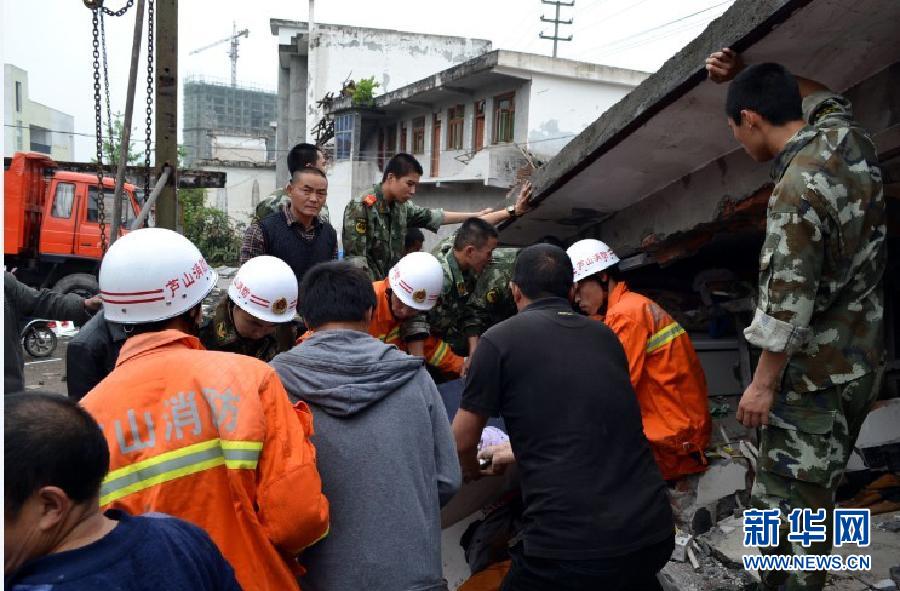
<point x="492" y="217"/>
<point x="756" y="402"/>
<point x="723" y="66"/>
<point x="467" y="427"/>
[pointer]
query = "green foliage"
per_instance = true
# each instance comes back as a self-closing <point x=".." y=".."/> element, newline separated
<point x="210" y="229"/>
<point x="364" y="94"/>
<point x="112" y="145"/>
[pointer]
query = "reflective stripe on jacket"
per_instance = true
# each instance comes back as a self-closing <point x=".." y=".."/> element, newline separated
<point x="211" y="437"/>
<point x="386" y="328"/>
<point x="668" y="379"/>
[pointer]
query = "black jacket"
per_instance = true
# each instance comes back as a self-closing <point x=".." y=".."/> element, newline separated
<point x="92" y="355"/>
<point x="21" y="302"/>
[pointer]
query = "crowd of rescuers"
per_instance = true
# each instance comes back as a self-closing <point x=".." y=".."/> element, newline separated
<point x="600" y="390"/>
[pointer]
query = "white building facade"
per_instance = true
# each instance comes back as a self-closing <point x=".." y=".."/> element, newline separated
<point x="474" y="127"/>
<point x="31" y="126"/>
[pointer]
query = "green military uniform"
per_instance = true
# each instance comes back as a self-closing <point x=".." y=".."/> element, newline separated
<point x="219" y="334"/>
<point x="492" y="296"/>
<point x="375" y="230"/>
<point x="455" y="317"/>
<point x="821" y="302"/>
<point x="276" y="200"/>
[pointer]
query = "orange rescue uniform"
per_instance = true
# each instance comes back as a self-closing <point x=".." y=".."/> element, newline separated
<point x="211" y="437"/>
<point x="385" y="327"/>
<point x="668" y="380"/>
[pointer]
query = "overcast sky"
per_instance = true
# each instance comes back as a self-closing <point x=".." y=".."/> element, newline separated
<point x="52" y="38"/>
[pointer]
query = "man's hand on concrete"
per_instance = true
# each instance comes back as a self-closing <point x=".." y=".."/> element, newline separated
<point x="93" y="304"/>
<point x="755" y="404"/>
<point x="500" y="457"/>
<point x="523" y="201"/>
<point x="723" y="66"/>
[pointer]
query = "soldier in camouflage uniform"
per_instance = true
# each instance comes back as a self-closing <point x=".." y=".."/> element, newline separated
<point x="300" y="156"/>
<point x="819" y="318"/>
<point x="464" y="256"/>
<point x="493" y="298"/>
<point x="375" y="224"/>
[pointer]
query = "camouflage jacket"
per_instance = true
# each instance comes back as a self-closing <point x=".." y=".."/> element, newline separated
<point x="492" y="298"/>
<point x="375" y="230"/>
<point x="218" y="334"/>
<point x="455" y="317"/>
<point x="275" y="201"/>
<point x="820" y="291"/>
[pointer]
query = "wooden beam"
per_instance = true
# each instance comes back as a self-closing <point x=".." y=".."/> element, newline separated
<point x="187" y="179"/>
<point x="166" y="32"/>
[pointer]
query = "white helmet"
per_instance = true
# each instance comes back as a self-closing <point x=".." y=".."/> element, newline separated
<point x="153" y="274"/>
<point x="265" y="287"/>
<point x="590" y="256"/>
<point x="417" y="279"/>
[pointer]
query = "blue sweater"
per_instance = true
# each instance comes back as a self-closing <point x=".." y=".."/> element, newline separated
<point x="147" y="553"/>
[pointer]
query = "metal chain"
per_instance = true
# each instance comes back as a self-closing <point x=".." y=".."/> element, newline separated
<point x="119" y="12"/>
<point x="149" y="129"/>
<point x="98" y="120"/>
<point x="109" y="124"/>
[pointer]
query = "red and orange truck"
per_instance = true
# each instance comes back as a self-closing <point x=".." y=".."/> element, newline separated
<point x="52" y="223"/>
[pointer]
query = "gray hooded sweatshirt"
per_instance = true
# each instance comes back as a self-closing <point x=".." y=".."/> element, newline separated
<point x="387" y="459"/>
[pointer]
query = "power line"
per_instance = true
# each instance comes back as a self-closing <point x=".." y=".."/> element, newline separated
<point x="556" y="22"/>
<point x="652" y="29"/>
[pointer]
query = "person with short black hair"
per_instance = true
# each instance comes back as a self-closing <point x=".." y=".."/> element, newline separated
<point x="464" y="255"/>
<point x="295" y="234"/>
<point x="301" y="156"/>
<point x="56" y="537"/>
<point x="819" y="318"/>
<point x="372" y="404"/>
<point x="597" y="512"/>
<point x="414" y="241"/>
<point x="375" y="224"/>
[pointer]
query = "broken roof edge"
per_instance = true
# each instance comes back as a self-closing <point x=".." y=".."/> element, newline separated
<point x="512" y="64"/>
<point x="276" y="23"/>
<point x="741" y="26"/>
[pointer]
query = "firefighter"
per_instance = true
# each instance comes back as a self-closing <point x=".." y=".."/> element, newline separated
<point x="236" y="325"/>
<point x="413" y="287"/>
<point x="206" y="436"/>
<point x="251" y="319"/>
<point x="665" y="371"/>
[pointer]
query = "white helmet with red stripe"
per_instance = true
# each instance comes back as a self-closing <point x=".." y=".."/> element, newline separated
<point x="417" y="279"/>
<point x="590" y="256"/>
<point x="265" y="287"/>
<point x="153" y="274"/>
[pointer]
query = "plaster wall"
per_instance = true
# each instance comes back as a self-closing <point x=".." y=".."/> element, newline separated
<point x="238" y="192"/>
<point x="60" y="126"/>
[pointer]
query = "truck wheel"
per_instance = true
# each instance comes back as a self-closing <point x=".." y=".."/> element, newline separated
<point x="83" y="284"/>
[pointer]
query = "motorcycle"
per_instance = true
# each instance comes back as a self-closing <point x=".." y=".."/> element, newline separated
<point x="38" y="338"/>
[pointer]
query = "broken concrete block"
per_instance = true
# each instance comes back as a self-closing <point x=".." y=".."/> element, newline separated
<point x="885" y="585"/>
<point x="679" y="554"/>
<point x="721" y="480"/>
<point x="882" y="425"/>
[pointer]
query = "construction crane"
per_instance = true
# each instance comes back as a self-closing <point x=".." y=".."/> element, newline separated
<point x="235" y="40"/>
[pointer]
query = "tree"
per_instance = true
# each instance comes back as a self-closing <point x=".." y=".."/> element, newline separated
<point x="112" y="145"/>
<point x="210" y="229"/>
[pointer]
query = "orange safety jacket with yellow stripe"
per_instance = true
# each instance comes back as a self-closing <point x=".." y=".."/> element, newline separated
<point x="385" y="327"/>
<point x="668" y="379"/>
<point x="212" y="438"/>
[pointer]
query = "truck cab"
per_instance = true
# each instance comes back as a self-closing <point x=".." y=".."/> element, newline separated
<point x="52" y="223"/>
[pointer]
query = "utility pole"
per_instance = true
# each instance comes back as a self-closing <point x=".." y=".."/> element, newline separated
<point x="167" y="110"/>
<point x="556" y="22"/>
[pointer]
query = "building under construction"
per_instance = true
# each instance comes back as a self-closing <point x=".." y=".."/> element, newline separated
<point x="226" y="122"/>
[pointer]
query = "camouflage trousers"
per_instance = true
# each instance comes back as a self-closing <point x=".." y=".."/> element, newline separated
<point x="802" y="456"/>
